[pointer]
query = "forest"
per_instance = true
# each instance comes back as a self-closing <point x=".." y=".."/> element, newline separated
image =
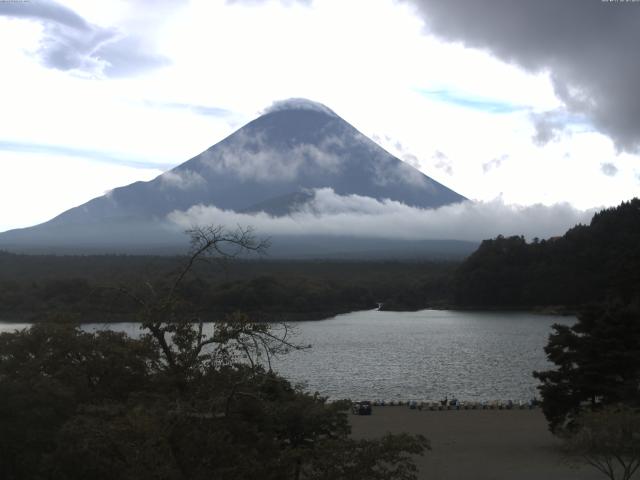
<point x="589" y="264"/>
<point x="33" y="287"/>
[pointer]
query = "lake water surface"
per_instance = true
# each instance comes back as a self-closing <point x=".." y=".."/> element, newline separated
<point x="424" y="355"/>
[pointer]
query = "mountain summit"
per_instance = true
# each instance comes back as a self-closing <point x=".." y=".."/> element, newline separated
<point x="272" y="164"/>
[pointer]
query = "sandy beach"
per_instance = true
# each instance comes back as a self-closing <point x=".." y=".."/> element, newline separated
<point x="478" y="444"/>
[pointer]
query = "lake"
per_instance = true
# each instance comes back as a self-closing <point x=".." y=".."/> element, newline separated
<point x="424" y="355"/>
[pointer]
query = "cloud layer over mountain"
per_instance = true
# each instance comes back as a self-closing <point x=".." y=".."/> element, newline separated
<point x="252" y="157"/>
<point x="298" y="104"/>
<point x="353" y="215"/>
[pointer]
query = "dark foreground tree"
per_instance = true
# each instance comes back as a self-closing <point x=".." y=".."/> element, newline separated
<point x="183" y="401"/>
<point x="608" y="440"/>
<point x="598" y="364"/>
<point x="47" y="373"/>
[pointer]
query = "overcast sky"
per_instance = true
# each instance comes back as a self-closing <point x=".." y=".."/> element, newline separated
<point x="516" y="102"/>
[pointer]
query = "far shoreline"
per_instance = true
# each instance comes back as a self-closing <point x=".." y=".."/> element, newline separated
<point x="288" y="317"/>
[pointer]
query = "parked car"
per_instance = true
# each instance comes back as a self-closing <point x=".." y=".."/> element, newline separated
<point x="361" y="408"/>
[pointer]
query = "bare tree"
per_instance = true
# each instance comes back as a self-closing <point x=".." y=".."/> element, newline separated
<point x="185" y="344"/>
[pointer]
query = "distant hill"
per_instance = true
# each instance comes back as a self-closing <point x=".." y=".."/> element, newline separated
<point x="590" y="263"/>
<point x="273" y="164"/>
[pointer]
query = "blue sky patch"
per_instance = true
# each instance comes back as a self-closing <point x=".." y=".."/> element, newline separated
<point x="473" y="103"/>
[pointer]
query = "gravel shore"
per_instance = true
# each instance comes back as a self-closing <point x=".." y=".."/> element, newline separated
<point x="478" y="444"/>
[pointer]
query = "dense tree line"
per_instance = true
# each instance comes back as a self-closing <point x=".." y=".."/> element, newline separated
<point x="590" y="263"/>
<point x="33" y="287"/>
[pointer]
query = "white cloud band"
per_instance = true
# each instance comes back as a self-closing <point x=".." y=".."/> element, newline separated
<point x="353" y="215"/>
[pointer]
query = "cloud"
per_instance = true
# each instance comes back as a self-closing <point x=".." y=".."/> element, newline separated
<point x="589" y="47"/>
<point x="257" y="157"/>
<point x="69" y="42"/>
<point x="298" y="104"/>
<point x="494" y="163"/>
<point x="354" y="215"/>
<point x="411" y="159"/>
<point x="380" y="139"/>
<point x="260" y="2"/>
<point x="184" y="179"/>
<point x="127" y="55"/>
<point x="548" y="125"/>
<point x="199" y="109"/>
<point x="389" y="172"/>
<point x="609" y="169"/>
<point x="389" y="143"/>
<point x="46" y="11"/>
<point x="251" y="157"/>
<point x="408" y="171"/>
<point x="443" y="162"/>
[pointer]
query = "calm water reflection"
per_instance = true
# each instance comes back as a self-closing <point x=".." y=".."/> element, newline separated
<point x="416" y="355"/>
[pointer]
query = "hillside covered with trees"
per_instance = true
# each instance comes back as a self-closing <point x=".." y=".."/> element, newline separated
<point x="588" y="264"/>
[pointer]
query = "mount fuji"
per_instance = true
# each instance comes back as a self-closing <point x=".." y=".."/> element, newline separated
<point x="272" y="166"/>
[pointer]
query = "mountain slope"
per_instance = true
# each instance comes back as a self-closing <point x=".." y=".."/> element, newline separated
<point x="271" y="164"/>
